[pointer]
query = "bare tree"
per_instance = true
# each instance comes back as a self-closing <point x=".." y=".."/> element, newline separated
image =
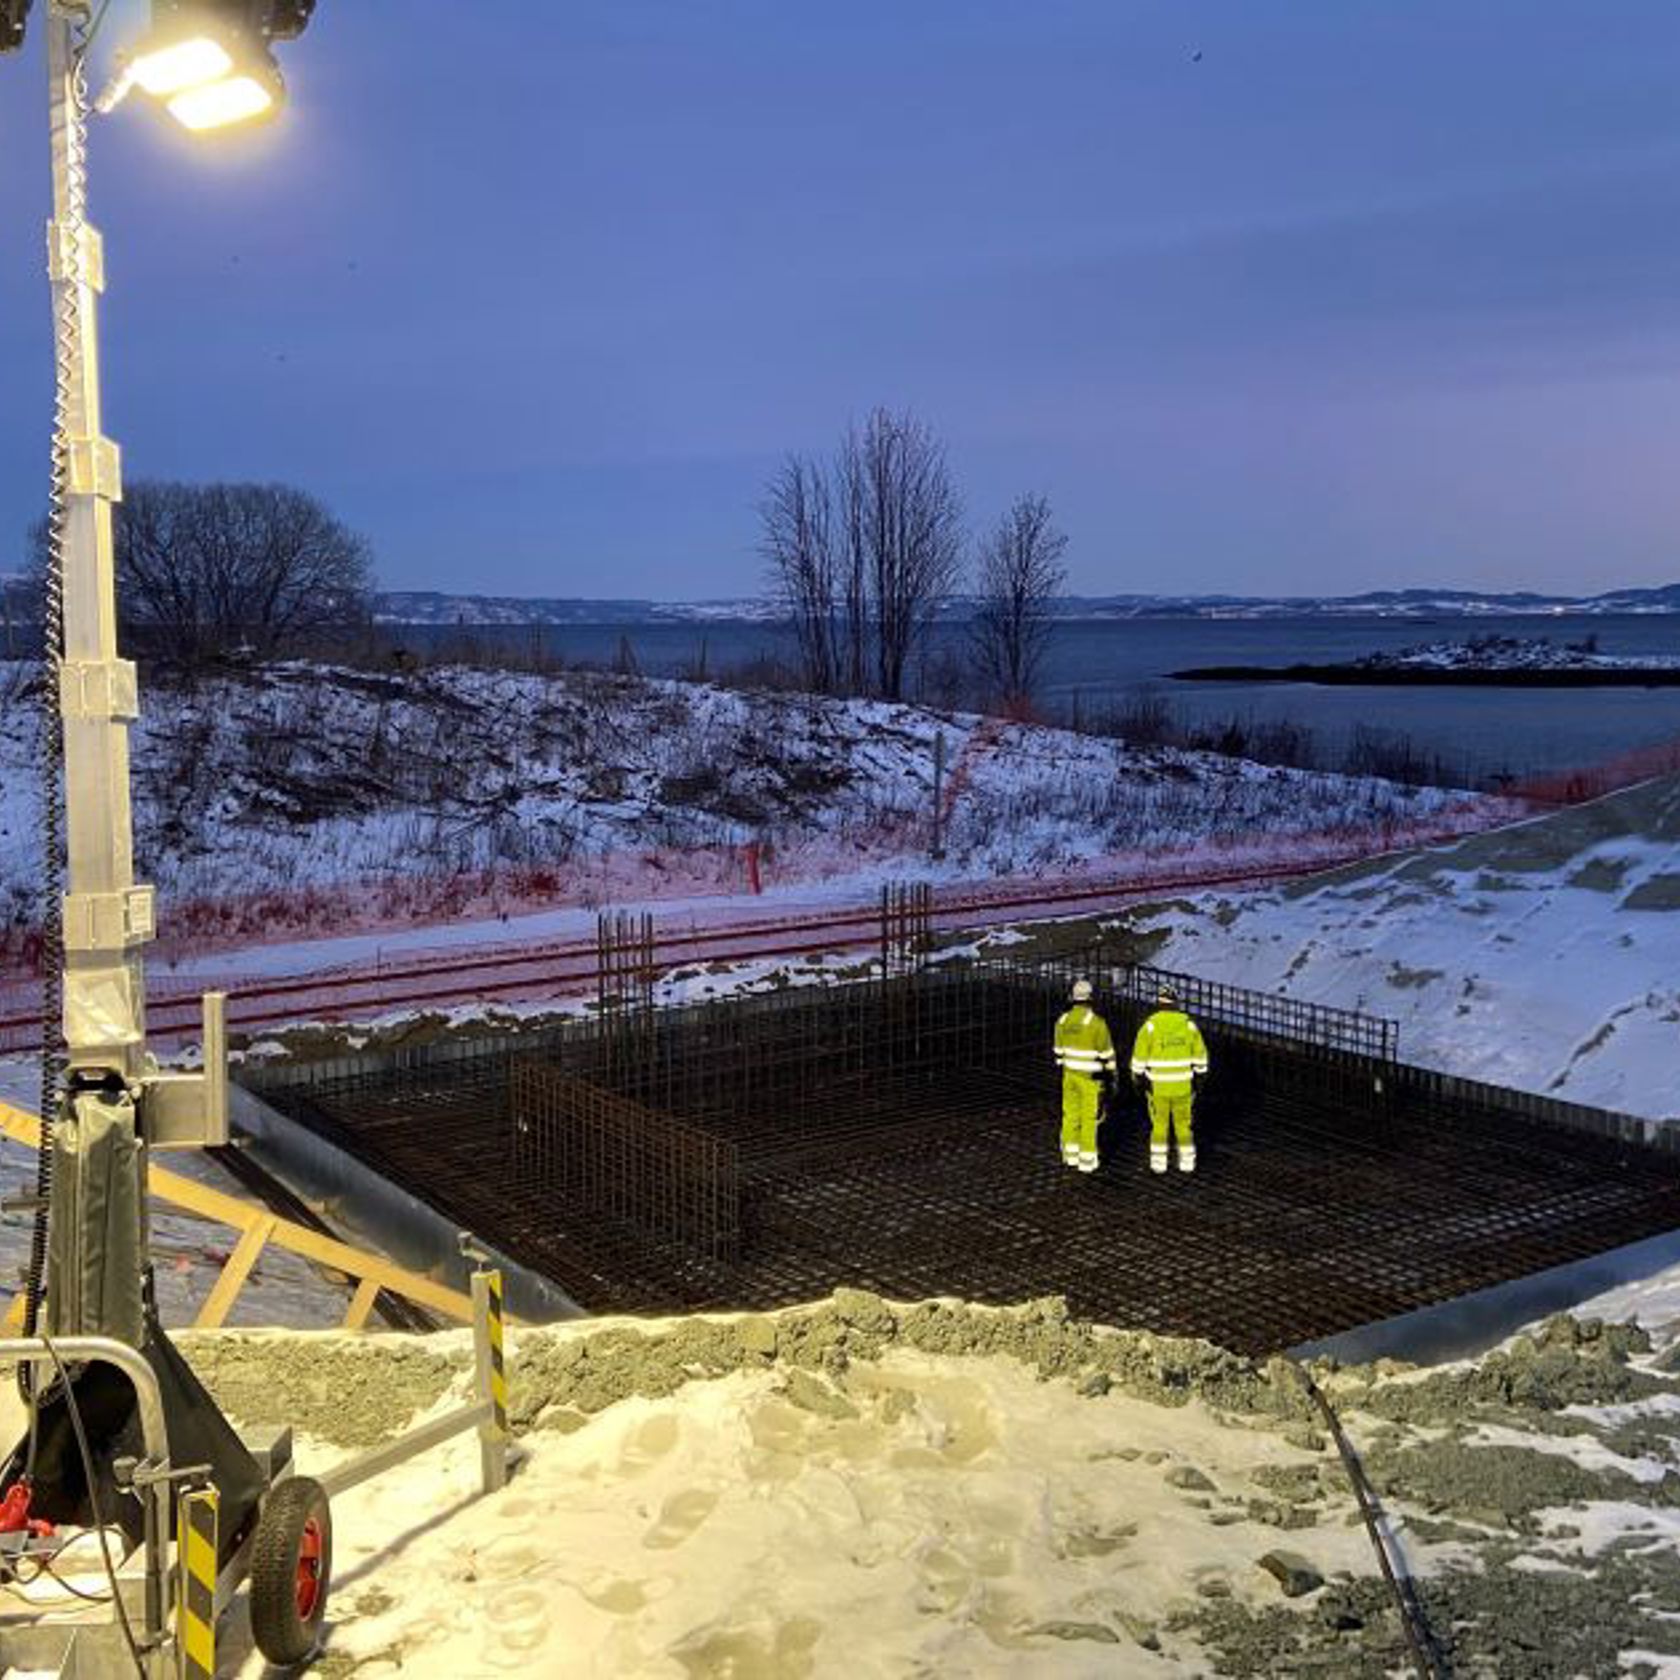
<point x="204" y="569"/>
<point x="1021" y="573"/>
<point x="913" y="521"/>
<point x="797" y="542"/>
<point x="863" y="555"/>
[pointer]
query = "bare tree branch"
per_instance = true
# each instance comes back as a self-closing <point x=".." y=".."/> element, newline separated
<point x="862" y="556"/>
<point x="203" y="570"/>
<point x="1021" y="573"/>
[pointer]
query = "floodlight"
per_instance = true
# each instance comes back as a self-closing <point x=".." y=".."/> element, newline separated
<point x="174" y="66"/>
<point x="209" y="62"/>
<point x="287" y="19"/>
<point x="13" y="15"/>
<point x="253" y="90"/>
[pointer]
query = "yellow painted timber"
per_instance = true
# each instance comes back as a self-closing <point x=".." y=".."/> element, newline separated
<point x="217" y="1205"/>
<point x="219" y="1302"/>
<point x="361" y="1304"/>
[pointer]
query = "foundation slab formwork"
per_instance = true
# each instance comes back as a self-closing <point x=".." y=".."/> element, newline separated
<point x="902" y="1135"/>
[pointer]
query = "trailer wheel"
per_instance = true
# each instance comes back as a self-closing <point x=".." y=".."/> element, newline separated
<point x="291" y="1568"/>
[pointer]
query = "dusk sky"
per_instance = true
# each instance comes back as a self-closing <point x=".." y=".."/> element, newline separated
<point x="536" y="295"/>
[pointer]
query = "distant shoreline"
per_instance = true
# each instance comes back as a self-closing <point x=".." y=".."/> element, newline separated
<point x="1355" y="676"/>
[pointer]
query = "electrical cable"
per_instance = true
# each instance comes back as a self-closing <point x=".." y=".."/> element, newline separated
<point x="71" y="253"/>
<point x="1425" y="1656"/>
<point x="66" y="360"/>
<point x="75" y="1412"/>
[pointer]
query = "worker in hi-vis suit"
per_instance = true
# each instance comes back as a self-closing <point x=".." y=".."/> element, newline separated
<point x="1085" y="1054"/>
<point x="1169" y="1061"/>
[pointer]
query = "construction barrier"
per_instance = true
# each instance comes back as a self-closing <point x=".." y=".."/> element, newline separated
<point x="197" y="1516"/>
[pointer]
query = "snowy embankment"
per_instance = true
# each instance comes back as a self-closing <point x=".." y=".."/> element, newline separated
<point x="299" y="798"/>
<point x="1544" y="956"/>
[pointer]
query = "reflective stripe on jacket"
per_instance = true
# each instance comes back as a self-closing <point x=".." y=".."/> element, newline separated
<point x="1169" y="1049"/>
<point x="1083" y="1044"/>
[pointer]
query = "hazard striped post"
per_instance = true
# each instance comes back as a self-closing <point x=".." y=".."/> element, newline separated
<point x="197" y="1516"/>
<point x="492" y="1374"/>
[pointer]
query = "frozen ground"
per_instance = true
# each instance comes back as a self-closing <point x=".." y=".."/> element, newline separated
<point x="297" y="798"/>
<point x="1544" y="956"/>
<point x="864" y="1489"/>
<point x="855" y="1489"/>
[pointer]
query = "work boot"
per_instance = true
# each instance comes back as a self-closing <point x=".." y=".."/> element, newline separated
<point x="1088" y="1160"/>
<point x="1070" y="1154"/>
<point x="1187" y="1157"/>
<point x="1158" y="1157"/>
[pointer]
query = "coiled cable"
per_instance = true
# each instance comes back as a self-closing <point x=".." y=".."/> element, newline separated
<point x="67" y="361"/>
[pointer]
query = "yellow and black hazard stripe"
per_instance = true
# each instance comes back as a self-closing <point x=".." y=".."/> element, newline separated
<point x="197" y="1518"/>
<point x="498" y="1360"/>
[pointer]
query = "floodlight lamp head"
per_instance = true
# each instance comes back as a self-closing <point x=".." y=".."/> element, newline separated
<point x="14" y="14"/>
<point x="208" y="61"/>
<point x="253" y="89"/>
<point x="287" y="19"/>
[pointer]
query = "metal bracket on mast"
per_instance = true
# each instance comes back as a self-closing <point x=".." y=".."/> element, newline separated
<point x="190" y="1110"/>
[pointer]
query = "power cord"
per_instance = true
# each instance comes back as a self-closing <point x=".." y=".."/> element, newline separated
<point x="1425" y="1656"/>
<point x="75" y="1412"/>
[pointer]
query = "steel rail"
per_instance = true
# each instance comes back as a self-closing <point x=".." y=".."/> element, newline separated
<point x="446" y="977"/>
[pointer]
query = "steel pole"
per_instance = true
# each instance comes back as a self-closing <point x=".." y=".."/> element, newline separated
<point x="98" y="1231"/>
<point x="107" y="916"/>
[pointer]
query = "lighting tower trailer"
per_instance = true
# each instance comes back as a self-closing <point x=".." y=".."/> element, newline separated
<point x="121" y="1434"/>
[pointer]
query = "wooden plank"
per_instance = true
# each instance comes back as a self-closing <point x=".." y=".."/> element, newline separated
<point x="361" y="1304"/>
<point x="224" y="1209"/>
<point x="219" y="1302"/>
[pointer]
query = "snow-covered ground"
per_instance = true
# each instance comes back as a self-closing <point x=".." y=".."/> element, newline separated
<point x="298" y="798"/>
<point x="1544" y="956"/>
<point x="860" y="1488"/>
<point x="855" y="1489"/>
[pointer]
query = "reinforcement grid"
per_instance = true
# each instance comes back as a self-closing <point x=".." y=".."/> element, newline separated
<point x="904" y="1138"/>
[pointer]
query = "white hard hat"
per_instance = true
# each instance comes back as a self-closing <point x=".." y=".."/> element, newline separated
<point x="1082" y="991"/>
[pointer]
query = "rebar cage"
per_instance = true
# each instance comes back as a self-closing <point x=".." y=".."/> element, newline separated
<point x="902" y="1134"/>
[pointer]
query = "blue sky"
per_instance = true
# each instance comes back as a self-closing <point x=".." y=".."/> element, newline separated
<point x="536" y="295"/>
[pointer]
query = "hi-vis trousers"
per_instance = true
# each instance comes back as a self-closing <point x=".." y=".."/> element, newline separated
<point x="1170" y="1112"/>
<point x="1081" y="1106"/>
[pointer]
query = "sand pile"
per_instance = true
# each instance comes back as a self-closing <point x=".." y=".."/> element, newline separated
<point x="987" y="1489"/>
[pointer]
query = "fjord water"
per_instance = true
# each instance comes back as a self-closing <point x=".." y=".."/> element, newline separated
<point x="1097" y="666"/>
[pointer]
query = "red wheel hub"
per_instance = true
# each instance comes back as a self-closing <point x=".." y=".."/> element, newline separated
<point x="307" y="1584"/>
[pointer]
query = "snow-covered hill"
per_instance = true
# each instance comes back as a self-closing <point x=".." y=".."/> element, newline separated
<point x="432" y="607"/>
<point x="301" y="776"/>
<point x="1544" y="956"/>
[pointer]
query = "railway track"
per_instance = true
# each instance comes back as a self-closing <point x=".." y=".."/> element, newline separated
<point x="565" y="968"/>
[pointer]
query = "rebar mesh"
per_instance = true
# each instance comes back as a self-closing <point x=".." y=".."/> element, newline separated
<point x="903" y="1135"/>
<point x="602" y="1154"/>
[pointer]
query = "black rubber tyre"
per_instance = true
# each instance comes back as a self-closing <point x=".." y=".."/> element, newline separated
<point x="291" y="1570"/>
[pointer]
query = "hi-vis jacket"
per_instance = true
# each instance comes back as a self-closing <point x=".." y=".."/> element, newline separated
<point x="1083" y="1044"/>
<point x="1169" y="1050"/>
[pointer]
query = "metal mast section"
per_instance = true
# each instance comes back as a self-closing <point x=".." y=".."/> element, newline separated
<point x="114" y="1102"/>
